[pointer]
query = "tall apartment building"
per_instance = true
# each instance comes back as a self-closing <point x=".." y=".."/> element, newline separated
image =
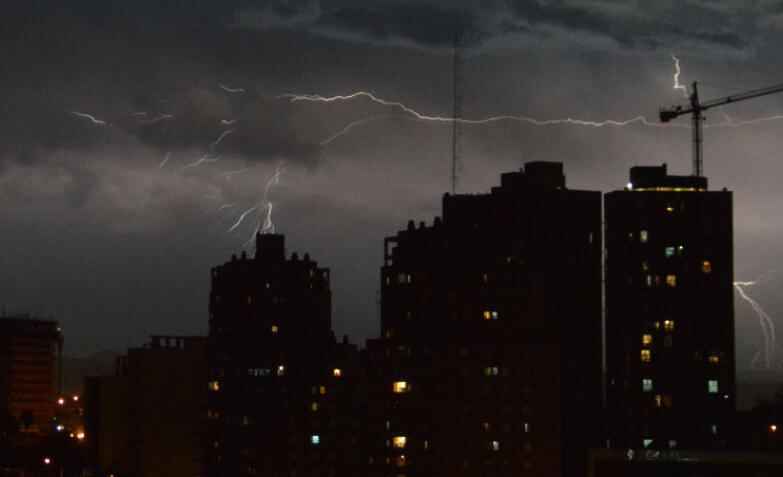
<point x="147" y="419"/>
<point x="30" y="353"/>
<point x="669" y="312"/>
<point x="282" y="394"/>
<point x="489" y="363"/>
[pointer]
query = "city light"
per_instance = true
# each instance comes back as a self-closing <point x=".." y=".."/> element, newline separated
<point x="47" y="460"/>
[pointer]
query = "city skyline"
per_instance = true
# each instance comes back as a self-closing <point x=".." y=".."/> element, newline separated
<point x="117" y="204"/>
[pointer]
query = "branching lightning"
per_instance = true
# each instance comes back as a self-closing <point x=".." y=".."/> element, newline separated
<point x="769" y="350"/>
<point x="92" y="118"/>
<point x="447" y="120"/>
<point x="677" y="84"/>
<point x="218" y="140"/>
<point x="165" y="160"/>
<point x="204" y="159"/>
<point x="268" y="227"/>
<point x="231" y="90"/>
<point x="241" y="218"/>
<point x="351" y="126"/>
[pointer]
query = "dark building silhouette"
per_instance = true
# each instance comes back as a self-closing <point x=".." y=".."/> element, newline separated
<point x="489" y="362"/>
<point x="283" y="398"/>
<point x="669" y="312"/>
<point x="147" y="420"/>
<point x="30" y="354"/>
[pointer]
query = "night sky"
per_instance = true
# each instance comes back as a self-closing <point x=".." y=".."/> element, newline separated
<point x="112" y="221"/>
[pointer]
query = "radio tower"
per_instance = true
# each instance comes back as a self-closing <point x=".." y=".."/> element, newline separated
<point x="456" y="127"/>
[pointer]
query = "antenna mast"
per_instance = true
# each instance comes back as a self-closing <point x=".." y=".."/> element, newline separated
<point x="456" y="127"/>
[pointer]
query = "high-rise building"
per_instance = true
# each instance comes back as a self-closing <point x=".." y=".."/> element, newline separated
<point x="146" y="420"/>
<point x="282" y="394"/>
<point x="489" y="363"/>
<point x="30" y="353"/>
<point x="669" y="312"/>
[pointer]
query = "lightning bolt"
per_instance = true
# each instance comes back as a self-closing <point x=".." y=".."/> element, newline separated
<point x="229" y="122"/>
<point x="92" y="118"/>
<point x="242" y="217"/>
<point x="165" y="160"/>
<point x="233" y="173"/>
<point x="770" y="346"/>
<point x="268" y="227"/>
<point x="218" y="140"/>
<point x="677" y="84"/>
<point x="231" y="90"/>
<point x="204" y="159"/>
<point x="347" y="128"/>
<point x="443" y="119"/>
<point x="160" y="117"/>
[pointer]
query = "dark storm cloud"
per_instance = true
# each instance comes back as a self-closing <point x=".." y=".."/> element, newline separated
<point x="636" y="28"/>
<point x="133" y="66"/>
<point x="634" y="25"/>
<point x="222" y="122"/>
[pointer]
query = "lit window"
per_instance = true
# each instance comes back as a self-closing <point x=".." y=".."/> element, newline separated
<point x="322" y="390"/>
<point x="657" y="325"/>
<point x="643" y="236"/>
<point x="485" y="278"/>
<point x="245" y="421"/>
<point x="250" y="300"/>
<point x="526" y="427"/>
<point x="669" y="252"/>
<point x="669" y="208"/>
<point x="712" y="386"/>
<point x="668" y="325"/>
<point x="400" y="461"/>
<point x="646" y="443"/>
<point x="706" y="266"/>
<point x="274" y="329"/>
<point x="403" y="278"/>
<point x="648" y="281"/>
<point x="486" y="426"/>
<point x="645" y="266"/>
<point x="61" y="401"/>
<point x="337" y="372"/>
<point x="671" y="281"/>
<point x="267" y="285"/>
<point x="213" y="385"/>
<point x="314" y="406"/>
<point x="658" y="400"/>
<point x="491" y="371"/>
<point x="315" y="440"/>
<point x="672" y="443"/>
<point x="713" y="359"/>
<point x="490" y="315"/>
<point x="399" y="442"/>
<point x="495" y="445"/>
<point x="281" y="370"/>
<point x="400" y="387"/>
<point x="714" y="429"/>
<point x="680" y="250"/>
<point x="646" y="339"/>
<point x="647" y="385"/>
<point x="646" y="356"/>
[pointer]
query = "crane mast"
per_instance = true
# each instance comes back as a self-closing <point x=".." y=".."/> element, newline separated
<point x="696" y="108"/>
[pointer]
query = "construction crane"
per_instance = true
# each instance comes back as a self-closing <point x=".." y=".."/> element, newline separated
<point x="696" y="108"/>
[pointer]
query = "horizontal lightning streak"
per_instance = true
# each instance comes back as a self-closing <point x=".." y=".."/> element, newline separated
<point x="92" y="118"/>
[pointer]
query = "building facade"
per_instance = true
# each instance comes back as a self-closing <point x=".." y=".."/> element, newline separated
<point x="489" y="363"/>
<point x="283" y="398"/>
<point x="147" y="419"/>
<point x="30" y="355"/>
<point x="669" y="312"/>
